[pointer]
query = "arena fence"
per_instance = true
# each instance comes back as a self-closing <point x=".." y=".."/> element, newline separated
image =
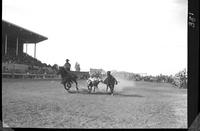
<point x="31" y="76"/>
<point x="81" y="75"/>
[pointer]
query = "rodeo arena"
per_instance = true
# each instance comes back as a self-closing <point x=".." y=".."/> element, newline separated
<point x="38" y="95"/>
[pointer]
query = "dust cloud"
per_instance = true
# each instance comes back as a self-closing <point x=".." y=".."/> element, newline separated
<point x="121" y="86"/>
<point x="124" y="84"/>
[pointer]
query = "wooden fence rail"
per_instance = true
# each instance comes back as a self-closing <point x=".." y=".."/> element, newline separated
<point x="31" y="76"/>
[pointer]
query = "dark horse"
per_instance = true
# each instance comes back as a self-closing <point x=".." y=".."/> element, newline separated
<point x="67" y="78"/>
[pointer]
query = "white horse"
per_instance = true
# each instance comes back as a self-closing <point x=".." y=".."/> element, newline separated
<point x="93" y="82"/>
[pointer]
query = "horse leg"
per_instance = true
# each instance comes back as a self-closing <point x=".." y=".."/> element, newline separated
<point x="88" y="88"/>
<point x="64" y="84"/>
<point x="76" y="85"/>
<point x="94" y="88"/>
<point x="69" y="85"/>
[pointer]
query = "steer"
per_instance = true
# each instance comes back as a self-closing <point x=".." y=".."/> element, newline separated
<point x="93" y="82"/>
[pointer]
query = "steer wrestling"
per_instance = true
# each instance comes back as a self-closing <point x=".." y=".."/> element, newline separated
<point x="93" y="82"/>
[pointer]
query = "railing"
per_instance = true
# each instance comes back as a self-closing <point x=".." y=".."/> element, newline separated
<point x="34" y="75"/>
<point x="30" y="76"/>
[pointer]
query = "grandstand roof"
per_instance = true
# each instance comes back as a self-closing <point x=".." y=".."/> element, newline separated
<point x="26" y="36"/>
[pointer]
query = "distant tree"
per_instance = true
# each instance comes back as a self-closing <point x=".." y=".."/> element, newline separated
<point x="55" y="67"/>
<point x="180" y="79"/>
<point x="77" y="66"/>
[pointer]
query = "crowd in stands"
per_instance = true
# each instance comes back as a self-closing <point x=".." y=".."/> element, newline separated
<point x="35" y="66"/>
<point x="22" y="59"/>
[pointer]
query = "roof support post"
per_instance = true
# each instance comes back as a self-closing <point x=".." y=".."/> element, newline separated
<point x="6" y="44"/>
<point x="17" y="43"/>
<point x="26" y="48"/>
<point x="35" y="51"/>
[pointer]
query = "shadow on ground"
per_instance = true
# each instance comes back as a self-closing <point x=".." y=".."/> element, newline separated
<point x="85" y="92"/>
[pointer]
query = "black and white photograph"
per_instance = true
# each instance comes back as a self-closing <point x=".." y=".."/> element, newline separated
<point x="95" y="64"/>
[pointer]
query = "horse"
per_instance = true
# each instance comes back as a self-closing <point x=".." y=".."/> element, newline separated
<point x="67" y="78"/>
<point x="93" y="83"/>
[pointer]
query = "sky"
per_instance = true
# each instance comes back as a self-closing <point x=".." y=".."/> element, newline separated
<point x="138" y="36"/>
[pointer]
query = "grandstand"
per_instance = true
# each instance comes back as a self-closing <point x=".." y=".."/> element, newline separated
<point x="15" y="62"/>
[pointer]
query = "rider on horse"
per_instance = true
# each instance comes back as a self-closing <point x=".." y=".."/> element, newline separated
<point x="67" y="76"/>
<point x="67" y="65"/>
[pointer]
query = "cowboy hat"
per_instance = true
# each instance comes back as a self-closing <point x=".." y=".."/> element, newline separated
<point x="108" y="72"/>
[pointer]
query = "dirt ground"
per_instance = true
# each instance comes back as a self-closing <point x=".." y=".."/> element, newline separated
<point x="45" y="104"/>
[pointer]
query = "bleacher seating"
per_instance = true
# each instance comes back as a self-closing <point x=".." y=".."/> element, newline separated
<point x="25" y="64"/>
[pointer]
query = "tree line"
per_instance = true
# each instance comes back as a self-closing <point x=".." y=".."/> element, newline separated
<point x="178" y="80"/>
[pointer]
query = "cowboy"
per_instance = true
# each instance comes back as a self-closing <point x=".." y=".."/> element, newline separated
<point x="67" y="65"/>
<point x="110" y="81"/>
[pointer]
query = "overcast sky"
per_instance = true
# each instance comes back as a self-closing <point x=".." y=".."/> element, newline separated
<point x="139" y="36"/>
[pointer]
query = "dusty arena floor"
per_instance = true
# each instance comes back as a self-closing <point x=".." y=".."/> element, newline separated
<point x="45" y="104"/>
